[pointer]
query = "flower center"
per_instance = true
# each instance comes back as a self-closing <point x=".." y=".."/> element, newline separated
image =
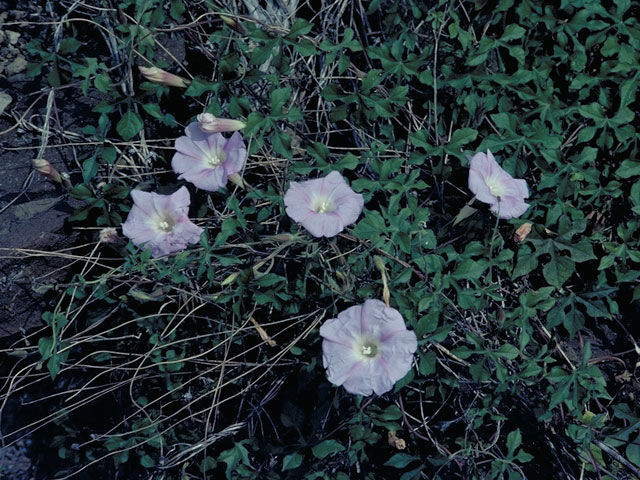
<point x="495" y="187"/>
<point x="166" y="224"/>
<point x="215" y="158"/>
<point x="368" y="348"/>
<point x="323" y="205"/>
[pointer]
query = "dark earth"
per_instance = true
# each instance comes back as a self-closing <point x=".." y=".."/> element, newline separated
<point x="36" y="246"/>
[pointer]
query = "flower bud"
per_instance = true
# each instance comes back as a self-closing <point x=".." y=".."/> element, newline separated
<point x="522" y="232"/>
<point x="236" y="179"/>
<point x="43" y="167"/>
<point x="230" y="279"/>
<point x="110" y="237"/>
<point x="233" y="24"/>
<point x="162" y="77"/>
<point x="66" y="180"/>
<point x="210" y="124"/>
<point x="283" y="237"/>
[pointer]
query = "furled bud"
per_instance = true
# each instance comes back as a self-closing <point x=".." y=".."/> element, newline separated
<point x="236" y="179"/>
<point x="233" y="24"/>
<point x="283" y="237"/>
<point x="66" y="180"/>
<point x="43" y="167"/>
<point x="522" y="232"/>
<point x="209" y="124"/>
<point x="110" y="237"/>
<point x="162" y="77"/>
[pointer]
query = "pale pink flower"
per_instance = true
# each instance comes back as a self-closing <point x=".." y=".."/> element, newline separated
<point x="161" y="222"/>
<point x="492" y="185"/>
<point x="324" y="206"/>
<point x="367" y="348"/>
<point x="207" y="159"/>
<point x="209" y="123"/>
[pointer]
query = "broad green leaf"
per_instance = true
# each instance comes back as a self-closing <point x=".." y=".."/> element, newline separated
<point x="633" y="451"/>
<point x="400" y="460"/>
<point x="628" y="168"/>
<point x="279" y="97"/>
<point x="558" y="270"/>
<point x="513" y="32"/>
<point x="326" y="448"/>
<point x="129" y="125"/>
<point x="292" y="461"/>
<point x="200" y="86"/>
<point x="462" y="137"/>
<point x="300" y="27"/>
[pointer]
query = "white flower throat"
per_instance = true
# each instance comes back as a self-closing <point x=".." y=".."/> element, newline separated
<point x="368" y="348"/>
<point x="165" y="224"/>
<point x="215" y="157"/>
<point x="495" y="187"/>
<point x="322" y="205"/>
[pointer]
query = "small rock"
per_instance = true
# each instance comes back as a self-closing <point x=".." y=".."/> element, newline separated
<point x="5" y="100"/>
<point x="12" y="36"/>
<point x="18" y="65"/>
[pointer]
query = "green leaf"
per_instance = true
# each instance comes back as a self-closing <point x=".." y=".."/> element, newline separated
<point x="45" y="347"/>
<point x="147" y="461"/>
<point x="470" y="269"/>
<point x="633" y="451"/>
<point x="558" y="270"/>
<point x="279" y="97"/>
<point x="129" y="125"/>
<point x="326" y="448"/>
<point x="89" y="168"/>
<point x="199" y="86"/>
<point x="628" y="169"/>
<point x="579" y="252"/>
<point x="513" y="32"/>
<point x="102" y="82"/>
<point x="462" y="137"/>
<point x="514" y="439"/>
<point x="527" y="262"/>
<point x="400" y="460"/>
<point x="371" y="79"/>
<point x="69" y="45"/>
<point x="412" y="474"/>
<point x="301" y="27"/>
<point x="292" y="461"/>
<point x="153" y="109"/>
<point x="508" y="351"/>
<point x="305" y="47"/>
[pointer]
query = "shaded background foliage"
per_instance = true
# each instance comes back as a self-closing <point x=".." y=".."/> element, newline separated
<point x="208" y="363"/>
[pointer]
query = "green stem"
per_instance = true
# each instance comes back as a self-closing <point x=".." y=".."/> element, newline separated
<point x="493" y="242"/>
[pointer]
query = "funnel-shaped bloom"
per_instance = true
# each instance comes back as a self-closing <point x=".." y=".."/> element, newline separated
<point x="207" y="159"/>
<point x="492" y="185"/>
<point x="161" y="221"/>
<point x="210" y="123"/>
<point x="367" y="348"/>
<point x="162" y="77"/>
<point x="324" y="206"/>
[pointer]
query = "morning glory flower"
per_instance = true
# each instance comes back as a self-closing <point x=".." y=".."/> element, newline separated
<point x="493" y="185"/>
<point x="209" y="123"/>
<point x="207" y="159"/>
<point x="161" y="222"/>
<point x="324" y="206"/>
<point x="367" y="348"/>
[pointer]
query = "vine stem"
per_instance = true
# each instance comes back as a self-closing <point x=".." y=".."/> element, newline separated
<point x="493" y="242"/>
